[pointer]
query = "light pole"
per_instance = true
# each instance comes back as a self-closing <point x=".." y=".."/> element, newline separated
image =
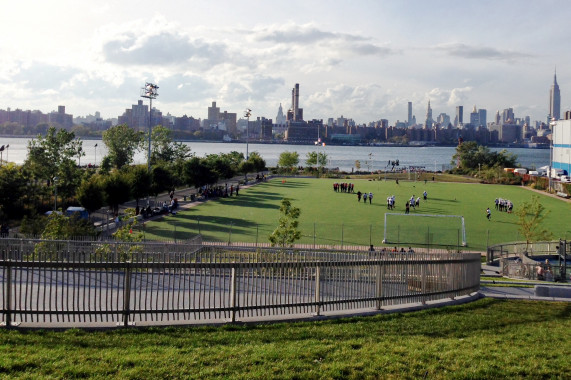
<point x="55" y="179"/>
<point x="95" y="155"/>
<point x="552" y="125"/>
<point x="247" y="115"/>
<point x="7" y="146"/>
<point x="1" y="154"/>
<point x="150" y="92"/>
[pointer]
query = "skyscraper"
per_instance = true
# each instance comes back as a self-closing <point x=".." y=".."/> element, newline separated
<point x="554" y="100"/>
<point x="475" y="117"/>
<point x="429" y="120"/>
<point x="409" y="120"/>
<point x="459" y="116"/>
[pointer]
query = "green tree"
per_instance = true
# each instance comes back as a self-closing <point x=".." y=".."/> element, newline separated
<point x="163" y="147"/>
<point x="530" y="218"/>
<point x="311" y="158"/>
<point x="288" y="160"/>
<point x="117" y="190"/>
<point x="162" y="180"/>
<point x="245" y="168"/>
<point x="258" y="162"/>
<point x="90" y="193"/>
<point x="286" y="233"/>
<point x="13" y="183"/>
<point x="122" y="142"/>
<point x="470" y="157"/>
<point x="48" y="154"/>
<point x="196" y="173"/>
<point x="140" y="180"/>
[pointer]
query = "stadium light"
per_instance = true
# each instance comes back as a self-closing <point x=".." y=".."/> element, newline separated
<point x="150" y="92"/>
<point x="247" y="115"/>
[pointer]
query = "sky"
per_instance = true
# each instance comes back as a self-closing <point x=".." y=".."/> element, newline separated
<point x="359" y="59"/>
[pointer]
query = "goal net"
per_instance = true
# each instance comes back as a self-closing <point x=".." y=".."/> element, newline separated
<point x="424" y="229"/>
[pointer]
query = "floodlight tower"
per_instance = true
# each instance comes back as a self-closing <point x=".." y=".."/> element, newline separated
<point x="150" y="92"/>
<point x="247" y="115"/>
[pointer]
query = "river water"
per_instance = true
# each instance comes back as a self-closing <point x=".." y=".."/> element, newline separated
<point x="342" y="157"/>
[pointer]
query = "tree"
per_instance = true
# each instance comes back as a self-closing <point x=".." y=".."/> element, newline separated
<point x="530" y="217"/>
<point x="163" y="147"/>
<point x="288" y="160"/>
<point x="48" y="154"/>
<point x="12" y="191"/>
<point x="90" y="194"/>
<point x="311" y="158"/>
<point x="122" y="142"/>
<point x="117" y="190"/>
<point x="196" y="173"/>
<point x="140" y="180"/>
<point x="258" y="162"/>
<point x="245" y="168"/>
<point x="470" y="156"/>
<point x="286" y="233"/>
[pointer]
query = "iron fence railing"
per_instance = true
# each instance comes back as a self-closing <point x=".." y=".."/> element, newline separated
<point x="131" y="283"/>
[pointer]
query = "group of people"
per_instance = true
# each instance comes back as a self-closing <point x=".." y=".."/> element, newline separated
<point x="413" y="202"/>
<point x="344" y="187"/>
<point x="220" y="191"/>
<point x="394" y="250"/>
<point x="504" y="205"/>
<point x="365" y="196"/>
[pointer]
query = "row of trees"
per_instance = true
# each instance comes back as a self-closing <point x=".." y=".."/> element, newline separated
<point x="51" y="165"/>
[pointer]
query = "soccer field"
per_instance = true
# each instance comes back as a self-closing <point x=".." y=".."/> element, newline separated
<point x="335" y="218"/>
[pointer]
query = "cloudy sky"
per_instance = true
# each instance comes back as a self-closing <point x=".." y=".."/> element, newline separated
<point x="361" y="59"/>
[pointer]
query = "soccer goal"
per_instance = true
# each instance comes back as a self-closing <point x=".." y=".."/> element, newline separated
<point x="441" y="230"/>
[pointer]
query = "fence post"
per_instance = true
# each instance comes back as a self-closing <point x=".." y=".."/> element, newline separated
<point x="380" y="278"/>
<point x="233" y="296"/>
<point x="313" y="235"/>
<point x="423" y="283"/>
<point x="317" y="291"/>
<point x="127" y="294"/>
<point x="8" y="292"/>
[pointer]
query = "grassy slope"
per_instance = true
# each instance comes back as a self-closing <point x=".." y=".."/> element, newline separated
<point x="338" y="216"/>
<point x="487" y="339"/>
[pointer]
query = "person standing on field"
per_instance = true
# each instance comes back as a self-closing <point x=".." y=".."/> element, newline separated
<point x="488" y="213"/>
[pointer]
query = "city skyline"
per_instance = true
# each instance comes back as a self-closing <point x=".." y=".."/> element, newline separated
<point x="365" y="60"/>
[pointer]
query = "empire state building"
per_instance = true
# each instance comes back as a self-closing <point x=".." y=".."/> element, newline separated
<point x="554" y="100"/>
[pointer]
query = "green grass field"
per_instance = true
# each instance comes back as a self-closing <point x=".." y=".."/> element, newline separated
<point x="337" y="218"/>
<point x="486" y="339"/>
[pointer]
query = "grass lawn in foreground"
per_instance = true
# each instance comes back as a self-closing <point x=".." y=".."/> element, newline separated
<point x="486" y="339"/>
<point x="336" y="218"/>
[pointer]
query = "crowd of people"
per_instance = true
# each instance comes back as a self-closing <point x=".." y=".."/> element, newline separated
<point x="504" y="205"/>
<point x="344" y="187"/>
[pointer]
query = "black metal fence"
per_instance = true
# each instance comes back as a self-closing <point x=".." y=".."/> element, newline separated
<point x="46" y="282"/>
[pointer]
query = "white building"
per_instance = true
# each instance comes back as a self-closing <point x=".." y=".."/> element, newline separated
<point x="562" y="145"/>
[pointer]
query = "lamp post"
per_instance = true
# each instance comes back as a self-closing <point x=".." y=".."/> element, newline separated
<point x="150" y="92"/>
<point x="1" y="153"/>
<point x="7" y="146"/>
<point x="247" y="115"/>
<point x="95" y="155"/>
<point x="55" y="179"/>
<point x="552" y="125"/>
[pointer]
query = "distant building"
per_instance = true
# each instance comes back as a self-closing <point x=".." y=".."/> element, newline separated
<point x="429" y="121"/>
<point x="475" y="117"/>
<point x="459" y="120"/>
<point x="409" y="119"/>
<point x="561" y="143"/>
<point x="554" y="100"/>
<point x="280" y="118"/>
<point x="220" y="120"/>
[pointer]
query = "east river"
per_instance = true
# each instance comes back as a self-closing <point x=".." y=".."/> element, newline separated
<point x="342" y="157"/>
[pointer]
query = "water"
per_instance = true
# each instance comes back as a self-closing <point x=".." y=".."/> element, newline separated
<point x="342" y="157"/>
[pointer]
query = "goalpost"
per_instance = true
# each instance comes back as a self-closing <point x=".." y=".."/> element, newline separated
<point x="424" y="229"/>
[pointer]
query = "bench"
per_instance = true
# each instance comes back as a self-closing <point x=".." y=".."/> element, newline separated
<point x="562" y="194"/>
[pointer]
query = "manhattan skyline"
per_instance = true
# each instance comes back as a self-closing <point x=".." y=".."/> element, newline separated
<point x="364" y="60"/>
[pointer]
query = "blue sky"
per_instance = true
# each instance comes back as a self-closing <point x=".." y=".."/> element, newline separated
<point x="361" y="59"/>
